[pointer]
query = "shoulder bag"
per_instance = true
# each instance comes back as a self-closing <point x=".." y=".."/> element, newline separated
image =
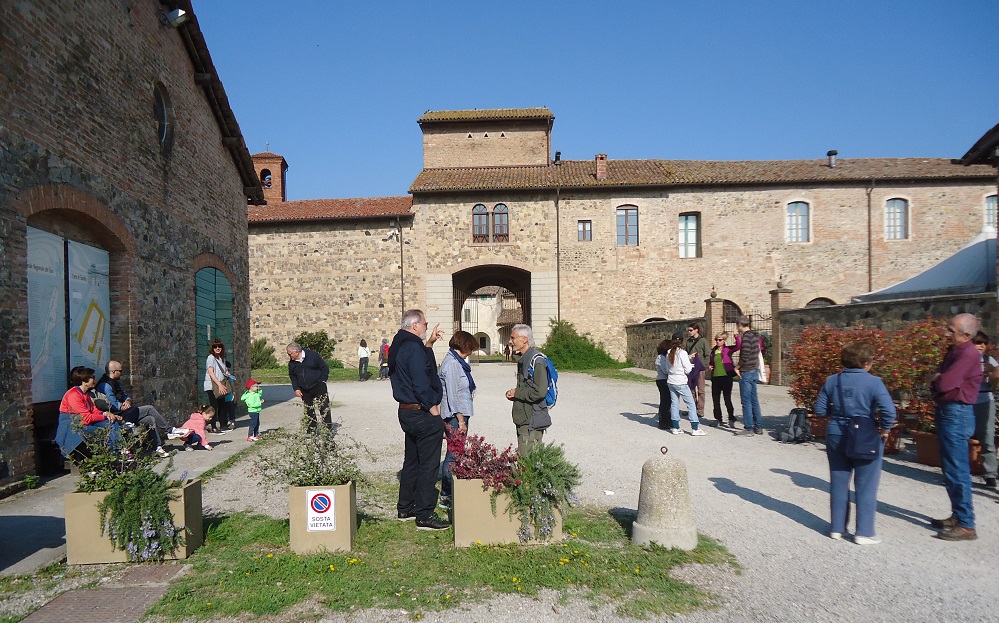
<point x="862" y="439"/>
<point x="226" y="385"/>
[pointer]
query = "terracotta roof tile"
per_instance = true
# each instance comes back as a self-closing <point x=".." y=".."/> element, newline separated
<point x="331" y="209"/>
<point x="581" y="173"/>
<point x="485" y="114"/>
<point x="268" y="154"/>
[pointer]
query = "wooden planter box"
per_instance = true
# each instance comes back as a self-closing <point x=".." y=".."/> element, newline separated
<point x="86" y="546"/>
<point x="474" y="521"/>
<point x="322" y="518"/>
<point x="928" y="451"/>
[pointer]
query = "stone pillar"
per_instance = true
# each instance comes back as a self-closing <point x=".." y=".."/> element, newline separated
<point x="664" y="515"/>
<point x="779" y="299"/>
<point x="714" y="316"/>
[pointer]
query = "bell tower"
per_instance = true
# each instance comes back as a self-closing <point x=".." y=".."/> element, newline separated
<point x="271" y="170"/>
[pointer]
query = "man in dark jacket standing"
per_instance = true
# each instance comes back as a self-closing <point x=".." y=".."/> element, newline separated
<point x="417" y="388"/>
<point x="309" y="372"/>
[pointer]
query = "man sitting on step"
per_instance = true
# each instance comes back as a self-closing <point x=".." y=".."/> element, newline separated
<point x="120" y="403"/>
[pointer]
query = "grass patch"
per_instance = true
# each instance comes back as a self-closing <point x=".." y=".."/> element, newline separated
<point x="279" y="376"/>
<point x="245" y="567"/>
<point x="619" y="375"/>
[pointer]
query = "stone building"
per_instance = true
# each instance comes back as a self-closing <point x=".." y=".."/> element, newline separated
<point x="124" y="181"/>
<point x="604" y="243"/>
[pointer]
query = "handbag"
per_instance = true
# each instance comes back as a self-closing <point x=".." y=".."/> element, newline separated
<point x="763" y="368"/>
<point x="862" y="439"/>
<point x="224" y="390"/>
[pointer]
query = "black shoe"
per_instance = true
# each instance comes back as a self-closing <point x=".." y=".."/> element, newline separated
<point x="990" y="483"/>
<point x="758" y="431"/>
<point x="732" y="422"/>
<point x="432" y="523"/>
<point x="405" y="516"/>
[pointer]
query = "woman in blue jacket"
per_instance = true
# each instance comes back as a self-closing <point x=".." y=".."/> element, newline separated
<point x="854" y="392"/>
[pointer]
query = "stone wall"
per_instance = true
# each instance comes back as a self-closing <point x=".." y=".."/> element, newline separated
<point x="604" y="287"/>
<point x="886" y="315"/>
<point x="340" y="276"/>
<point x="644" y="339"/>
<point x="81" y="157"/>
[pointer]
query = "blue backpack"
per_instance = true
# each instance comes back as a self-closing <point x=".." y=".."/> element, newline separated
<point x="551" y="396"/>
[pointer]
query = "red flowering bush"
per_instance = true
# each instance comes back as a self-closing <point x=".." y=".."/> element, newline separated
<point x="902" y="359"/>
<point x="474" y="457"/>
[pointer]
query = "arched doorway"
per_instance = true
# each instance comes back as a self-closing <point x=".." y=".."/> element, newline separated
<point x="213" y="314"/>
<point x="512" y="296"/>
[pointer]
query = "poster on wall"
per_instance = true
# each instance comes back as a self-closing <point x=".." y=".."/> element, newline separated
<point x="46" y="315"/>
<point x="89" y="306"/>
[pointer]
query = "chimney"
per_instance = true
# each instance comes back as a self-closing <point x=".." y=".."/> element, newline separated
<point x="832" y="153"/>
<point x="601" y="162"/>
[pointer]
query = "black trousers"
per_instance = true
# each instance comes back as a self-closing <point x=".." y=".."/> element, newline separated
<point x="317" y="402"/>
<point x="224" y="410"/>
<point x="665" y="402"/>
<point x="722" y="386"/>
<point x="418" y="478"/>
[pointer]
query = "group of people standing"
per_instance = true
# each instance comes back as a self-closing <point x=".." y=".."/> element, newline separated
<point x="962" y="387"/>
<point x="684" y="362"/>
<point x="433" y="403"/>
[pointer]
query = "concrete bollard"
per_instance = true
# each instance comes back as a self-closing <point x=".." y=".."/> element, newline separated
<point x="664" y="505"/>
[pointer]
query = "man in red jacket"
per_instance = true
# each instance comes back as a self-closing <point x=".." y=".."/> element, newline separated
<point x="955" y="389"/>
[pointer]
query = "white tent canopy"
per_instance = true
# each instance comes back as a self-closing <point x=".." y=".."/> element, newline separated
<point x="970" y="270"/>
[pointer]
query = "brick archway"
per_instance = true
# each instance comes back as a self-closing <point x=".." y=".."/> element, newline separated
<point x="105" y="224"/>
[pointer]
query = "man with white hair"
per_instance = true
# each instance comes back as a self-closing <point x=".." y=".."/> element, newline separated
<point x="530" y="412"/>
<point x="417" y="388"/>
<point x="955" y="388"/>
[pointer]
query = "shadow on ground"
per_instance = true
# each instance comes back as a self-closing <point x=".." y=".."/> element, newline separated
<point x="787" y="509"/>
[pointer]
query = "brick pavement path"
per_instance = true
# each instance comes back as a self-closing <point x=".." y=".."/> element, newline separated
<point x="123" y="602"/>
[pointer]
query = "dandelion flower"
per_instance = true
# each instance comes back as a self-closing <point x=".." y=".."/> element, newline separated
<point x="270" y="555"/>
<point x="332" y="568"/>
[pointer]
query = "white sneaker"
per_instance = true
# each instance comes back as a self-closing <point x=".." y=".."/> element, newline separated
<point x="675" y="431"/>
<point x="177" y="433"/>
<point x="866" y="540"/>
<point x="161" y="452"/>
<point x="698" y="433"/>
<point x="836" y="536"/>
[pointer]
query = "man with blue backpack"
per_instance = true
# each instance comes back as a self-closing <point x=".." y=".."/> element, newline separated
<point x="536" y="390"/>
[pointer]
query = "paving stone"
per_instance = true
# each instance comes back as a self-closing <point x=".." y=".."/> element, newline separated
<point x="118" y="605"/>
<point x="150" y="574"/>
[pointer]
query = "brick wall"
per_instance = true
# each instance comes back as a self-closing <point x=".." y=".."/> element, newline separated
<point x="81" y="158"/>
<point x="481" y="144"/>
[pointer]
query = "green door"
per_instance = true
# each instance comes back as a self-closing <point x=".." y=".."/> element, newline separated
<point x="213" y="314"/>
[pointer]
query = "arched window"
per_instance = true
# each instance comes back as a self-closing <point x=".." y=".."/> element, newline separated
<point x="163" y="114"/>
<point x="730" y="312"/>
<point x="820" y="302"/>
<point x="627" y="226"/>
<point x="990" y="211"/>
<point x="797" y="222"/>
<point x="265" y="178"/>
<point x="501" y="223"/>
<point x="480" y="224"/>
<point x="897" y="219"/>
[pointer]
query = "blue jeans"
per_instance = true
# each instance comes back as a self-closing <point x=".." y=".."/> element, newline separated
<point x="447" y="481"/>
<point x="866" y="478"/>
<point x="752" y="415"/>
<point x="254" y="428"/>
<point x="955" y="426"/>
<point x="676" y="394"/>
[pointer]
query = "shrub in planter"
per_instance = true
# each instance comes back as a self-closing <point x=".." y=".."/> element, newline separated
<point x="322" y="473"/>
<point x="537" y="486"/>
<point x="135" y="506"/>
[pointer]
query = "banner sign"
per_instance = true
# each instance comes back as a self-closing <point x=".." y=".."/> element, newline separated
<point x="89" y="305"/>
<point x="322" y="509"/>
<point x="47" y="315"/>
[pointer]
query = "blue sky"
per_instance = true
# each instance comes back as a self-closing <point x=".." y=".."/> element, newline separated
<point x="336" y="87"/>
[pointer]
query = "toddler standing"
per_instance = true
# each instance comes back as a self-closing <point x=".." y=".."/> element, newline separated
<point x="197" y="424"/>
<point x="253" y="399"/>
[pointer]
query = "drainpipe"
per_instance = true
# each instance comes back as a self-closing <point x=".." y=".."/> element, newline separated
<point x="870" y="239"/>
<point x="558" y="257"/>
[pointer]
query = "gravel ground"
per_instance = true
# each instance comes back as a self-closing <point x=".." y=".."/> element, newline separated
<point x="766" y="501"/>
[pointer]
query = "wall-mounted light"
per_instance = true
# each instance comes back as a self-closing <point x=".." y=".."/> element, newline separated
<point x="177" y="17"/>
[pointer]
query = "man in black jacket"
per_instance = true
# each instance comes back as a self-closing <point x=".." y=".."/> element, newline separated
<point x="417" y="389"/>
<point x="309" y="372"/>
